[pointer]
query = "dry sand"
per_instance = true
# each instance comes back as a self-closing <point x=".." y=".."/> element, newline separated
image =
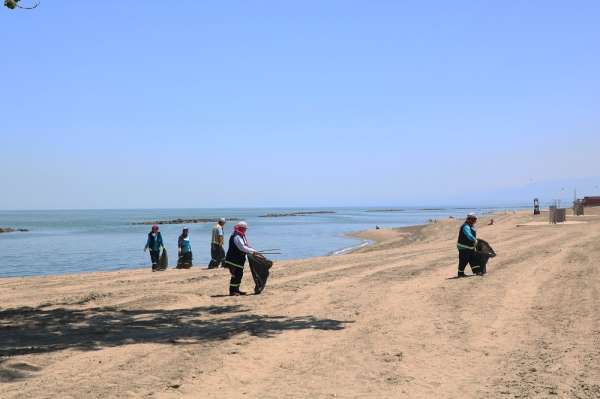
<point x="386" y="322"/>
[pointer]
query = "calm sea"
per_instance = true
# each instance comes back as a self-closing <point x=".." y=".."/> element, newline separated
<point x="62" y="242"/>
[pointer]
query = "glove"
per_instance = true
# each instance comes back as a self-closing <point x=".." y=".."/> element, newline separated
<point x="179" y="251"/>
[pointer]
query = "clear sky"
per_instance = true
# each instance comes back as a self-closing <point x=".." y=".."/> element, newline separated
<point x="143" y="104"/>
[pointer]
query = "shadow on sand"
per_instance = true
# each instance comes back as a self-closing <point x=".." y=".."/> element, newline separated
<point x="459" y="278"/>
<point x="29" y="330"/>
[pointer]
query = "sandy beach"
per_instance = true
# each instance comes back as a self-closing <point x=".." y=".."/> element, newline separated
<point x="387" y="321"/>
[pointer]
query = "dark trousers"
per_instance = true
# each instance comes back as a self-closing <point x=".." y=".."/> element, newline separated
<point x="154" y="256"/>
<point x="217" y="254"/>
<point x="467" y="257"/>
<point x="236" y="278"/>
<point x="185" y="260"/>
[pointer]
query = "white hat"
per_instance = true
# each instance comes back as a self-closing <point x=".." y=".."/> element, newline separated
<point x="472" y="215"/>
<point x="243" y="224"/>
<point x="221" y="220"/>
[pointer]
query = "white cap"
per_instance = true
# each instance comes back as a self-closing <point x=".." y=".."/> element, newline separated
<point x="472" y="215"/>
<point x="243" y="224"/>
<point x="221" y="220"/>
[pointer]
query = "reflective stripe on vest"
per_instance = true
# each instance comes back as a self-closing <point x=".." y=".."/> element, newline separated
<point x="233" y="264"/>
<point x="461" y="246"/>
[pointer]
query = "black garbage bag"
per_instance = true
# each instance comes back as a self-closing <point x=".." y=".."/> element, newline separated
<point x="259" y="266"/>
<point x="163" y="261"/>
<point x="483" y="253"/>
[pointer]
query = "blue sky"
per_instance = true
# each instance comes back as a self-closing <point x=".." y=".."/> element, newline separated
<point x="145" y="104"/>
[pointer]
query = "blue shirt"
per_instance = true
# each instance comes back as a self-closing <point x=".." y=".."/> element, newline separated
<point x="468" y="230"/>
<point x="154" y="242"/>
<point x="184" y="244"/>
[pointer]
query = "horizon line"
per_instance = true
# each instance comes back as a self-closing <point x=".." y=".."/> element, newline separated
<point x="324" y="207"/>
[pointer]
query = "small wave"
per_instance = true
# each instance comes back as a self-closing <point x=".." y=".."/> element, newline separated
<point x="350" y="249"/>
<point x="386" y="210"/>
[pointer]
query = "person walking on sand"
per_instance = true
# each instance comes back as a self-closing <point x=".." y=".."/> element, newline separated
<point x="184" y="249"/>
<point x="236" y="257"/>
<point x="155" y="245"/>
<point x="467" y="242"/>
<point x="217" y="253"/>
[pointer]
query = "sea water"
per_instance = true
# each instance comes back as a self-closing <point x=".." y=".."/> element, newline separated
<point x="72" y="241"/>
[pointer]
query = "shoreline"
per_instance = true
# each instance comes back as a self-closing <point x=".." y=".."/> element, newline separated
<point x="54" y="248"/>
<point x="371" y="238"/>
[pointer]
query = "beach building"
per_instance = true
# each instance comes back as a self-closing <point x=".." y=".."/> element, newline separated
<point x="591" y="201"/>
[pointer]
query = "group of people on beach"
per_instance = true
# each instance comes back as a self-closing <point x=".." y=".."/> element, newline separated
<point x="234" y="259"/>
<point x="471" y="251"/>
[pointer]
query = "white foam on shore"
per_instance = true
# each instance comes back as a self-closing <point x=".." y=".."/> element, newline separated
<point x="351" y="249"/>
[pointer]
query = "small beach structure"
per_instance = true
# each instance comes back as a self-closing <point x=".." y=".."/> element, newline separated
<point x="578" y="208"/>
<point x="557" y="215"/>
<point x="536" y="206"/>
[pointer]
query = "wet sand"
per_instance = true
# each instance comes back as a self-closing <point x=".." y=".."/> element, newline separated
<point x="388" y="321"/>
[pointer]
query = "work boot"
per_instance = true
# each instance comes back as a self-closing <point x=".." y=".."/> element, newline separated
<point x="237" y="293"/>
<point x="461" y="274"/>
